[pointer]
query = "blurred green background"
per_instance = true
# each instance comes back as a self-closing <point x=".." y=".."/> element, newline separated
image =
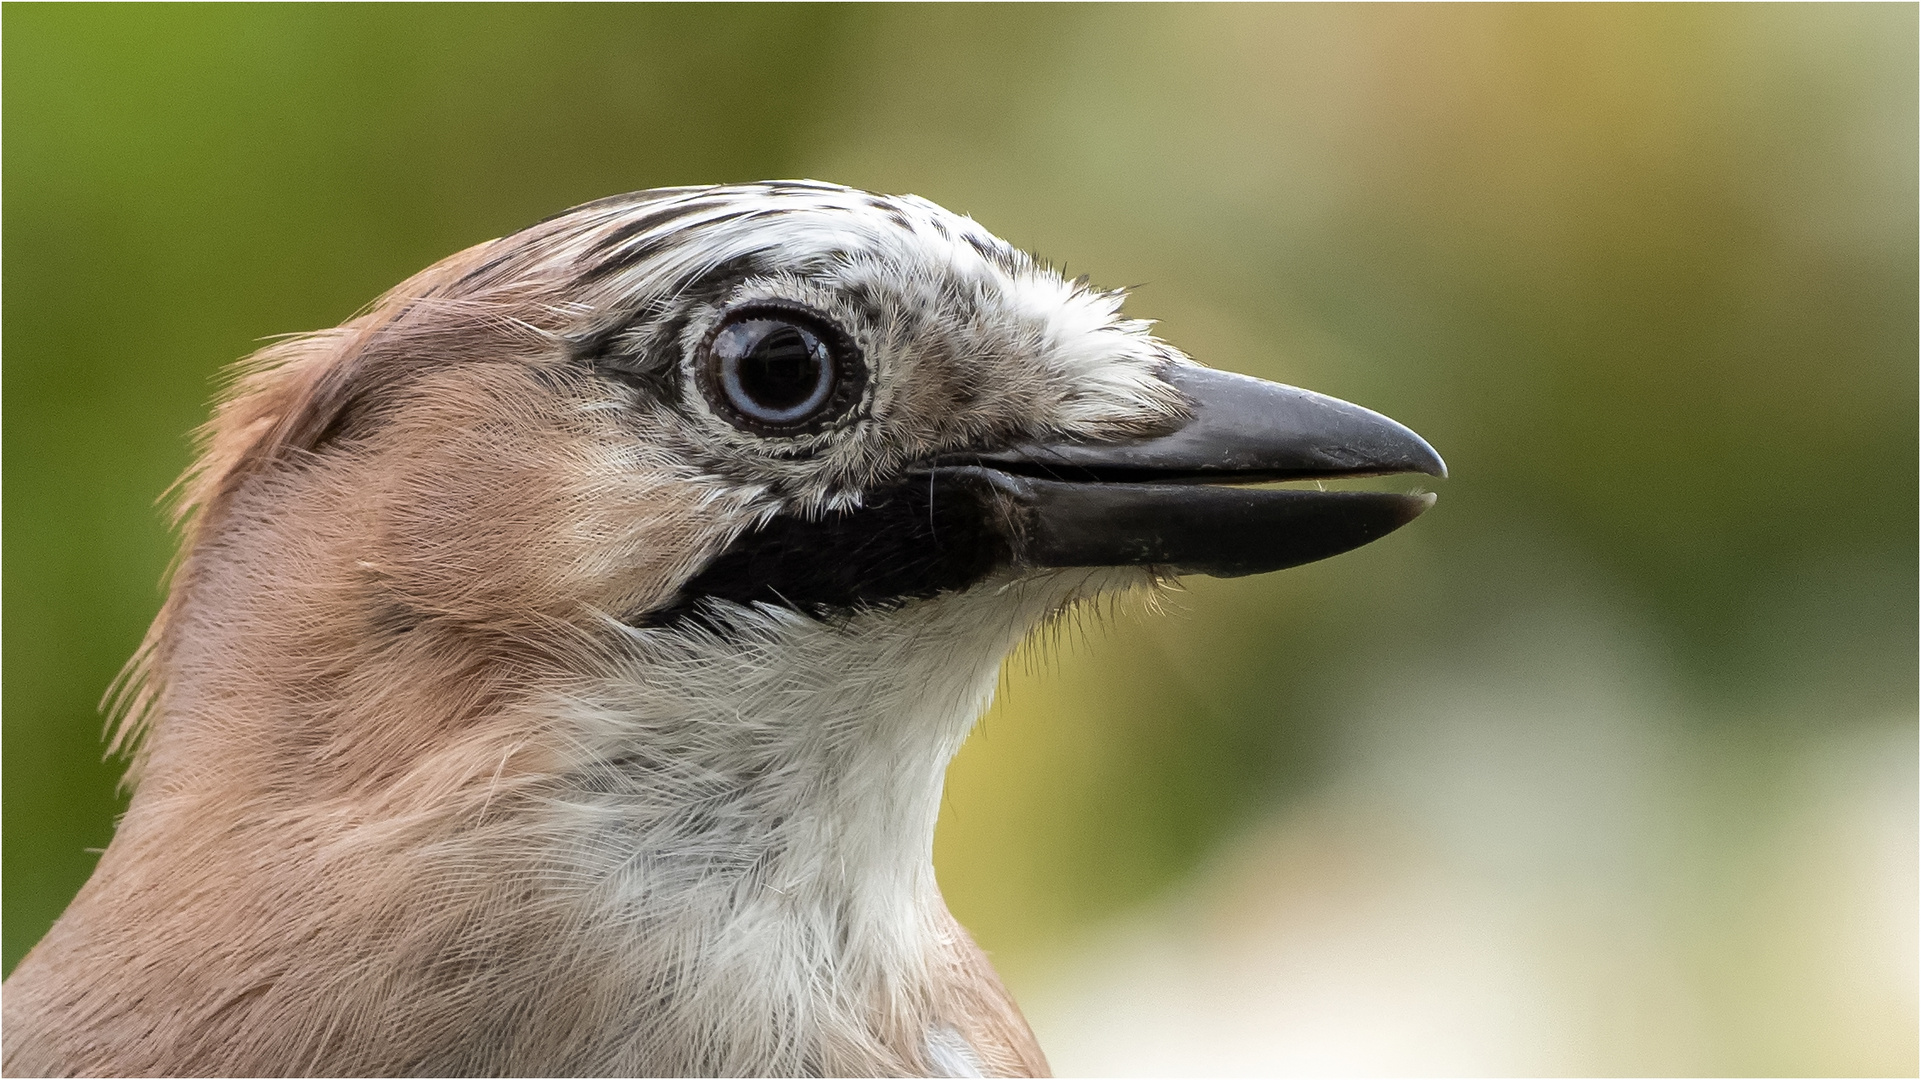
<point x="1606" y="766"/>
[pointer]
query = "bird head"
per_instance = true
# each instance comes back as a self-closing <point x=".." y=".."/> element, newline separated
<point x="571" y="645"/>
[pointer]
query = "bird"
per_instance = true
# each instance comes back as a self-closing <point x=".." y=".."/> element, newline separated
<point x="563" y="656"/>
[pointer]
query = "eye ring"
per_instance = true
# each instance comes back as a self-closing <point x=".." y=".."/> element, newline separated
<point x="779" y="370"/>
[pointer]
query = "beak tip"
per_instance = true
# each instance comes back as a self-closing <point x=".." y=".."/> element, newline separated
<point x="1402" y="449"/>
<point x="1398" y="510"/>
<point x="1431" y="463"/>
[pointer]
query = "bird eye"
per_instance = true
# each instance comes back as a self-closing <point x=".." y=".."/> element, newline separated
<point x="777" y="372"/>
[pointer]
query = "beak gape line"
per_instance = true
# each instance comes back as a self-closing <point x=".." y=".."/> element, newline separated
<point x="1164" y="502"/>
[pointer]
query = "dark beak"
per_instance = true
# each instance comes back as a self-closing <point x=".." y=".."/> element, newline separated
<point x="1168" y="501"/>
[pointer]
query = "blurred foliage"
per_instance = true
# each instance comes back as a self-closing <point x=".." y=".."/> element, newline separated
<point x="1646" y="275"/>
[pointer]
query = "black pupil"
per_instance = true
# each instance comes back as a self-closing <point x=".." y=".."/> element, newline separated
<point x="783" y="368"/>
